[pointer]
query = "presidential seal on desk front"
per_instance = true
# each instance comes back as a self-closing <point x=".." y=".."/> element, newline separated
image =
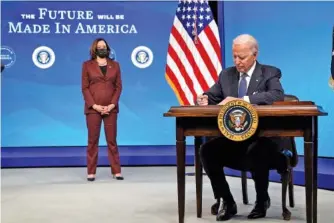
<point x="238" y="120"/>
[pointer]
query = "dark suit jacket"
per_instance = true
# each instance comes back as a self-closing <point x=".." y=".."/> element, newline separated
<point x="264" y="87"/>
<point x="101" y="89"/>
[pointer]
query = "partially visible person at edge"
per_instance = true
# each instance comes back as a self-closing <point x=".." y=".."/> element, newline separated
<point x="101" y="89"/>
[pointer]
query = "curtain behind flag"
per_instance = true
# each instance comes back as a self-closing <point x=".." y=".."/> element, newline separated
<point x="331" y="79"/>
<point x="194" y="58"/>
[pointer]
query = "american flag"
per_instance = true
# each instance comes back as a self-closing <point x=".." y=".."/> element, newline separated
<point x="194" y="58"/>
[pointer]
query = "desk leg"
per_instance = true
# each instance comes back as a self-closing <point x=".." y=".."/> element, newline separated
<point x="199" y="176"/>
<point x="315" y="169"/>
<point x="308" y="165"/>
<point x="180" y="161"/>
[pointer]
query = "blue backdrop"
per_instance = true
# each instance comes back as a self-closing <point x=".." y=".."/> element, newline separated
<point x="44" y="107"/>
<point x="297" y="38"/>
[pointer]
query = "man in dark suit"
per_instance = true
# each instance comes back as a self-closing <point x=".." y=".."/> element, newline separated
<point x="257" y="84"/>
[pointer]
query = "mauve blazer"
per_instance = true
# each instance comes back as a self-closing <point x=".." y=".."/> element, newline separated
<point x="101" y="89"/>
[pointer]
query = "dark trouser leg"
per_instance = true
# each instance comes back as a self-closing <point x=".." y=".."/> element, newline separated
<point x="217" y="153"/>
<point x="264" y="153"/>
<point x="261" y="180"/>
<point x="110" y="129"/>
<point x="94" y="126"/>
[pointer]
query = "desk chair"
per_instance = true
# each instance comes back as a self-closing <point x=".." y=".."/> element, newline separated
<point x="286" y="178"/>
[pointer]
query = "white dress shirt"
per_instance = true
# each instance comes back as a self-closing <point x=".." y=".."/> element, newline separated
<point x="248" y="77"/>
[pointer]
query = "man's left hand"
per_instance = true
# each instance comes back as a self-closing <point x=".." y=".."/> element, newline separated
<point x="228" y="99"/>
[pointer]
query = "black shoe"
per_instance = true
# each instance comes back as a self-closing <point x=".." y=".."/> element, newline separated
<point x="91" y="177"/>
<point x="226" y="211"/>
<point x="215" y="207"/>
<point x="260" y="210"/>
<point x="119" y="177"/>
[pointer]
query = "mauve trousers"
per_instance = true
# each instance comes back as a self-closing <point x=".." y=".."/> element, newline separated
<point x="94" y="122"/>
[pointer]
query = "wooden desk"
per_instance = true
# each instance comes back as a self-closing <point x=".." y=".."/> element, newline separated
<point x="298" y="119"/>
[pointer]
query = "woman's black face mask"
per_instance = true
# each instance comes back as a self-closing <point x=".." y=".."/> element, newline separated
<point x="102" y="53"/>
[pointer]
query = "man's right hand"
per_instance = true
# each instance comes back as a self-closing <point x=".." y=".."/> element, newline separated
<point x="202" y="100"/>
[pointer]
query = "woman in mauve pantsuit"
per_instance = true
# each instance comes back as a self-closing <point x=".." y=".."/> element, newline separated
<point x="101" y="89"/>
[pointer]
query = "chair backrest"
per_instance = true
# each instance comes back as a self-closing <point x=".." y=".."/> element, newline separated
<point x="294" y="160"/>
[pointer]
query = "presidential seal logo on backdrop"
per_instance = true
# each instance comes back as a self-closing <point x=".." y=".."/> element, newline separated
<point x="8" y="57"/>
<point x="238" y="120"/>
<point x="142" y="57"/>
<point x="43" y="57"/>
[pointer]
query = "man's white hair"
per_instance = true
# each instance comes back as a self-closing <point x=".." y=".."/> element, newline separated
<point x="247" y="39"/>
